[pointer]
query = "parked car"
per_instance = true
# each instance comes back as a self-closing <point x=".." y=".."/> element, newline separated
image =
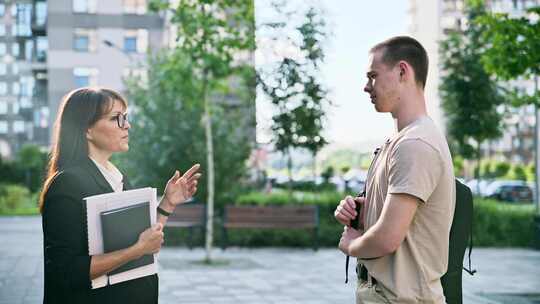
<point x="479" y="187"/>
<point x="510" y="191"/>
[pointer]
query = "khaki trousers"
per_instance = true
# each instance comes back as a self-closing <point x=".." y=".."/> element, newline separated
<point x="366" y="294"/>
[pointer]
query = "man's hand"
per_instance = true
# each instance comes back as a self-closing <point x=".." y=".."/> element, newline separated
<point x="349" y="234"/>
<point x="346" y="210"/>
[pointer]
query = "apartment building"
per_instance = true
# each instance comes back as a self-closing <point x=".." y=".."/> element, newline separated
<point x="97" y="42"/>
<point x="24" y="112"/>
<point x="428" y="22"/>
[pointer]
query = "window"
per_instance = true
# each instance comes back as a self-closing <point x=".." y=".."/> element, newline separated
<point x="41" y="117"/>
<point x="2" y="9"/>
<point x="15" y="49"/>
<point x="3" y="48"/>
<point x="41" y="13"/>
<point x="3" y="107"/>
<point x="15" y="69"/>
<point x="85" y="77"/>
<point x="23" y="24"/>
<point x="3" y="88"/>
<point x="3" y="68"/>
<point x="28" y="49"/>
<point x="25" y="102"/>
<point x="135" y="7"/>
<point x="136" y="41"/>
<point x="2" y="29"/>
<point x="84" y="6"/>
<point x="18" y="126"/>
<point x="15" y="108"/>
<point x="27" y="85"/>
<point x="16" y="88"/>
<point x="41" y="48"/>
<point x="84" y="40"/>
<point x="14" y="10"/>
<point x="3" y="127"/>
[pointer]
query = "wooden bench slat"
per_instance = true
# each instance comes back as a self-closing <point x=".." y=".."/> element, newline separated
<point x="269" y="225"/>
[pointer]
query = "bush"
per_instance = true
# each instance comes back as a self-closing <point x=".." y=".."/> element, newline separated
<point x="307" y="186"/>
<point x="502" y="224"/>
<point x="17" y="200"/>
<point x="495" y="223"/>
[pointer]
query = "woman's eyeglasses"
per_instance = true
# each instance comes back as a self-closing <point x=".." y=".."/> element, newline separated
<point x="122" y="119"/>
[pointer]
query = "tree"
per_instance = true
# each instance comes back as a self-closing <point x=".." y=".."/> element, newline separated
<point x="214" y="40"/>
<point x="470" y="98"/>
<point x="213" y="35"/>
<point x="513" y="52"/>
<point x="293" y="86"/>
<point x="32" y="160"/>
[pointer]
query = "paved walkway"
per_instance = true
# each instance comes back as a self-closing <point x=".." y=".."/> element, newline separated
<point x="260" y="275"/>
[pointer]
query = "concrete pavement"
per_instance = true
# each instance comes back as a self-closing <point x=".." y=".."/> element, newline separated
<point x="260" y="275"/>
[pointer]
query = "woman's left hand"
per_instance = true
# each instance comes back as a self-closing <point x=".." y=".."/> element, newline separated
<point x="181" y="188"/>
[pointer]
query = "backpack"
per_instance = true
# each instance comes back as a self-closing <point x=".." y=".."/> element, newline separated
<point x="460" y="237"/>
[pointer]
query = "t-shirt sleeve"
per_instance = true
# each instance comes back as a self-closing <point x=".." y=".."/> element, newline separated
<point x="415" y="169"/>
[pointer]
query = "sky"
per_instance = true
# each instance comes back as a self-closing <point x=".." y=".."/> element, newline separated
<point x="355" y="27"/>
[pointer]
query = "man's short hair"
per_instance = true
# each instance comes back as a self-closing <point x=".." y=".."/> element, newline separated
<point x="407" y="49"/>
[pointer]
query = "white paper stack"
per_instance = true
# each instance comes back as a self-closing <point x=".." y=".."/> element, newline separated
<point x="105" y="202"/>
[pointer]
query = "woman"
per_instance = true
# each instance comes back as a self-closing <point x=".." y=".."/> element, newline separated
<point x="91" y="125"/>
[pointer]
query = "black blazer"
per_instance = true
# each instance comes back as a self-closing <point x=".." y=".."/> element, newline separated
<point x="65" y="243"/>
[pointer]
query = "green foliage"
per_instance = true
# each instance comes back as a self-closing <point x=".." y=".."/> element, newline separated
<point x="27" y="168"/>
<point x="327" y="174"/>
<point x="211" y="33"/>
<point x="530" y="171"/>
<point x="513" y="44"/>
<point x="517" y="172"/>
<point x="502" y="225"/>
<point x="501" y="169"/>
<point x="458" y="165"/>
<point x="201" y="81"/>
<point x="32" y="160"/>
<point x="17" y="200"/>
<point x="470" y="98"/>
<point x="293" y="86"/>
<point x="494" y="223"/>
<point x="167" y="132"/>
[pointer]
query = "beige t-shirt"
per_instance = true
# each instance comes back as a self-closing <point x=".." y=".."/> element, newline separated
<point x="415" y="161"/>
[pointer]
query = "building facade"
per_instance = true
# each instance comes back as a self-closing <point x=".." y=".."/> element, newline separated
<point x="51" y="47"/>
<point x="428" y="22"/>
<point x="97" y="42"/>
<point x="24" y="110"/>
<point x="48" y="48"/>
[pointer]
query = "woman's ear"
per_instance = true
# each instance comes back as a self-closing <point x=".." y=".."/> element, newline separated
<point x="89" y="134"/>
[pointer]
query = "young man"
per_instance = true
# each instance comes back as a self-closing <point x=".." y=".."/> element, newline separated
<point x="410" y="191"/>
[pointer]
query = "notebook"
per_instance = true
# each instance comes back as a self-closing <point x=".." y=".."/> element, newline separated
<point x="121" y="228"/>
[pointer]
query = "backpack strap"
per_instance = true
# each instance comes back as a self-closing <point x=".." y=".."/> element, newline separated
<point x="470" y="270"/>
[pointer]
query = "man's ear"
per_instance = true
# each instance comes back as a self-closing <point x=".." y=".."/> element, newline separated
<point x="404" y="69"/>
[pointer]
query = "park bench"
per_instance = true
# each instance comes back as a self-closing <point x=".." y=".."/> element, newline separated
<point x="271" y="217"/>
<point x="189" y="216"/>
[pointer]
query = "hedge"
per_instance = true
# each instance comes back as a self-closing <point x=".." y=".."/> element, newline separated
<point x="17" y="200"/>
<point x="495" y="224"/>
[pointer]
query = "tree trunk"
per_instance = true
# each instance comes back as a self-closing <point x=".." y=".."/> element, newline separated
<point x="536" y="153"/>
<point x="210" y="163"/>
<point x="289" y="169"/>
<point x="477" y="171"/>
<point x="315" y="167"/>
